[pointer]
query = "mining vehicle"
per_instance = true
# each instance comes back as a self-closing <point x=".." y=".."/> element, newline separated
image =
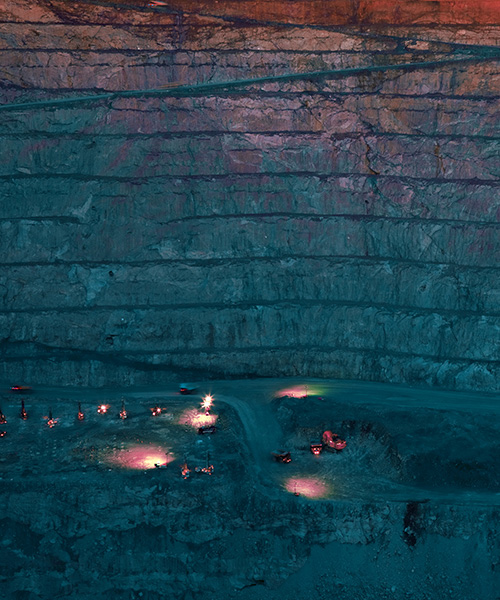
<point x="282" y="456"/>
<point x="3" y="433"/>
<point x="21" y="389"/>
<point x="333" y="442"/>
<point x="316" y="447"/>
<point x="207" y="470"/>
<point x="163" y="465"/>
<point x="207" y="429"/>
<point x="3" y="419"/>
<point x="187" y="388"/>
<point x="80" y="415"/>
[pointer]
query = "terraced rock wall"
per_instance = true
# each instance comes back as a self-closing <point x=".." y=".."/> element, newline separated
<point x="343" y="227"/>
<point x="148" y="541"/>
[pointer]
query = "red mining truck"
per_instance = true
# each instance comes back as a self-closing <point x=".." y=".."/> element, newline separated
<point x="316" y="447"/>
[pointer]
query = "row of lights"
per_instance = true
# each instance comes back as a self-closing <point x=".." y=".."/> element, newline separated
<point x="101" y="409"/>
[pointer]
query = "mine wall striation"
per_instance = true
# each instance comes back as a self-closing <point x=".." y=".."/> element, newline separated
<point x="156" y="540"/>
<point x="337" y="228"/>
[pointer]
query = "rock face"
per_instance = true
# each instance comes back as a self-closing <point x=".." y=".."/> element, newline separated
<point x="150" y="543"/>
<point x="343" y="227"/>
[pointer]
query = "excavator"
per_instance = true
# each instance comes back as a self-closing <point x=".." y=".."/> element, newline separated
<point x="333" y="442"/>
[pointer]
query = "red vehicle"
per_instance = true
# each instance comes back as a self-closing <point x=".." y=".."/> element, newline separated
<point x="316" y="447"/>
<point x="207" y="429"/>
<point x="187" y="388"/>
<point x="332" y="441"/>
<point x="3" y="419"/>
<point x="282" y="457"/>
<point x="21" y="389"/>
<point x="156" y="411"/>
<point x="102" y="409"/>
<point x="3" y="433"/>
<point x="81" y="416"/>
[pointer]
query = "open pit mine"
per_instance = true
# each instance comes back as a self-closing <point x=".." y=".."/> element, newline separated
<point x="291" y="207"/>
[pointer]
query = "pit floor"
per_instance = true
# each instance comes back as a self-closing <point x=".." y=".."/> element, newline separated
<point x="400" y="441"/>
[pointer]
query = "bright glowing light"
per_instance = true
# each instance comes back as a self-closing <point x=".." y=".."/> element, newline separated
<point x="299" y="391"/>
<point x="102" y="409"/>
<point x="196" y="419"/>
<point x="139" y="457"/>
<point x="310" y="487"/>
<point x="207" y="403"/>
